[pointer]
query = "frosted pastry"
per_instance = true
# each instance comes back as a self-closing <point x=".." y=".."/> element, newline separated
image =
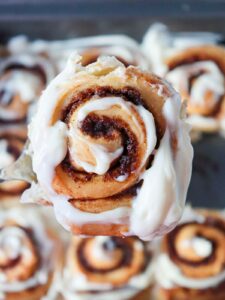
<point x="123" y="47"/>
<point x="196" y="69"/>
<point x="22" y="79"/>
<point x="108" y="268"/>
<point x="105" y="142"/>
<point x="29" y="256"/>
<point x="12" y="140"/>
<point x="192" y="262"/>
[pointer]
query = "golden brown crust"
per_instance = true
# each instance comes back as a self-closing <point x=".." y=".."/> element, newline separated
<point x="100" y="229"/>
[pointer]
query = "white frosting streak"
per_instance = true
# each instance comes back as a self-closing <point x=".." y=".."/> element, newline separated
<point x="161" y="199"/>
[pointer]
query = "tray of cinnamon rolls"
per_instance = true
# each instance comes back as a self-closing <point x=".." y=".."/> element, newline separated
<point x="111" y="167"/>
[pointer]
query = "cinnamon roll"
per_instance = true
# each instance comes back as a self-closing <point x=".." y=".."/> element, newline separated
<point x="123" y="47"/>
<point x="12" y="140"/>
<point x="105" y="138"/>
<point x="28" y="256"/>
<point x="22" y="79"/>
<point x="192" y="262"/>
<point x="108" y="268"/>
<point x="196" y="69"/>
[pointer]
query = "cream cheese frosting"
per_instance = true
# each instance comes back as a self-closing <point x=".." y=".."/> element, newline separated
<point x="59" y="51"/>
<point x="153" y="212"/>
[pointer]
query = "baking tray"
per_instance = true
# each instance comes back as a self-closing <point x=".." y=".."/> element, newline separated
<point x="66" y="19"/>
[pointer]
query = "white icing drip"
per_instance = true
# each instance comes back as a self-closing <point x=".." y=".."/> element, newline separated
<point x="212" y="80"/>
<point x="169" y="275"/>
<point x="12" y="237"/>
<point x="202" y="247"/>
<point x="52" y="150"/>
<point x="5" y="157"/>
<point x="169" y="178"/>
<point x="155" y="43"/>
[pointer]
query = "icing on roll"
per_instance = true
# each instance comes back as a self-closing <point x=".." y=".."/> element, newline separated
<point x="26" y="260"/>
<point x="105" y="142"/>
<point x="196" y="68"/>
<point x="193" y="258"/>
<point x="12" y="140"/>
<point x="122" y="47"/>
<point x="107" y="268"/>
<point x="159" y="43"/>
<point x="22" y="79"/>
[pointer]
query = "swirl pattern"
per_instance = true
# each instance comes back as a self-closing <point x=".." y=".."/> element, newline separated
<point x="194" y="254"/>
<point x="22" y="79"/>
<point x="26" y="265"/>
<point x="198" y="74"/>
<point x="111" y="266"/>
<point x="99" y="134"/>
<point x="125" y="49"/>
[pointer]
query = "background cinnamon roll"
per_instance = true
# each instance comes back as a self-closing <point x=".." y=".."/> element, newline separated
<point x="29" y="256"/>
<point x="22" y="79"/>
<point x="192" y="262"/>
<point x="102" y="135"/>
<point x="198" y="73"/>
<point x="12" y="140"/>
<point x="195" y="66"/>
<point x="108" y="268"/>
<point x="122" y="47"/>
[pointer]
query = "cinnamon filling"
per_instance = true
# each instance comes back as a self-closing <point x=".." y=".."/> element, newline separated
<point x="117" y="243"/>
<point x="127" y="93"/>
<point x="96" y="126"/>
